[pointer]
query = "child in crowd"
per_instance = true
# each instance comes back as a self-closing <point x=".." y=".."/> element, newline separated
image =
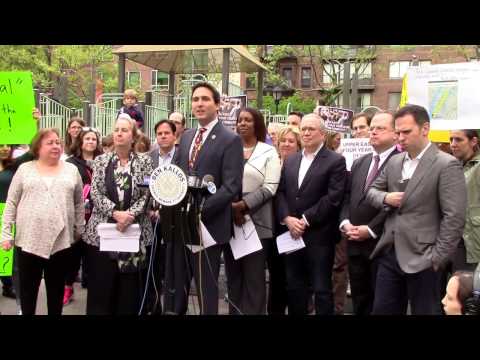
<point x="131" y="107"/>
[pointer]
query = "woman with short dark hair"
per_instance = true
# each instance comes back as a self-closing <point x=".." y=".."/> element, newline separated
<point x="246" y="275"/>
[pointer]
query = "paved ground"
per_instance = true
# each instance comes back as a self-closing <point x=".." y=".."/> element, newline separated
<point x="78" y="306"/>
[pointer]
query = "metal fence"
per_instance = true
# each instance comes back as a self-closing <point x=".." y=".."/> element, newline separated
<point x="55" y="115"/>
<point x="151" y="117"/>
<point x="103" y="116"/>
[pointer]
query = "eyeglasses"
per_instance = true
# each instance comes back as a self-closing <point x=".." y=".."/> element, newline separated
<point x="378" y="128"/>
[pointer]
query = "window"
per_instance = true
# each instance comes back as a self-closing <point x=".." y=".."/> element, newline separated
<point x="251" y="81"/>
<point x="336" y="70"/>
<point x="287" y="75"/>
<point x="399" y="68"/>
<point x="159" y="80"/>
<point x="269" y="49"/>
<point x="332" y="71"/>
<point x="364" y="100"/>
<point x="133" y="78"/>
<point x="306" y="77"/>
<point x="393" y="100"/>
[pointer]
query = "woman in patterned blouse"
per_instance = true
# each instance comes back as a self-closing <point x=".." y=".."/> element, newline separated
<point x="115" y="285"/>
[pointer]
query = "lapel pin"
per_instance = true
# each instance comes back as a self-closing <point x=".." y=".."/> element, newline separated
<point x="214" y="136"/>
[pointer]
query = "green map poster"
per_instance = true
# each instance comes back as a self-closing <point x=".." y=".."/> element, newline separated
<point x="6" y="257"/>
<point x="17" y="125"/>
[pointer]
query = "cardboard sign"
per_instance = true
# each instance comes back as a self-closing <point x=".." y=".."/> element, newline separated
<point x="17" y="125"/>
<point x="335" y="119"/>
<point x="6" y="257"/>
<point x="229" y="110"/>
<point x="353" y="149"/>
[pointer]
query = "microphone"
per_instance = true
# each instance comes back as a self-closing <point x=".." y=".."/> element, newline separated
<point x="209" y="184"/>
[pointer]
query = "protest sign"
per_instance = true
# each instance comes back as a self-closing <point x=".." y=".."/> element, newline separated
<point x="17" y="125"/>
<point x="335" y="119"/>
<point x="448" y="92"/>
<point x="353" y="149"/>
<point x="6" y="257"/>
<point x="229" y="110"/>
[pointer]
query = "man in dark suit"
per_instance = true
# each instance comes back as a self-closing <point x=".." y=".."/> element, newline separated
<point x="425" y="190"/>
<point x="162" y="154"/>
<point x="214" y="150"/>
<point x="308" y="202"/>
<point x="361" y="223"/>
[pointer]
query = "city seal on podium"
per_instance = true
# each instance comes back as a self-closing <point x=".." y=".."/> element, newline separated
<point x="168" y="185"/>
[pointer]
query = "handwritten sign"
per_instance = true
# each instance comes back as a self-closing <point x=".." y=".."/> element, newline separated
<point x="353" y="149"/>
<point x="6" y="257"/>
<point x="17" y="125"/>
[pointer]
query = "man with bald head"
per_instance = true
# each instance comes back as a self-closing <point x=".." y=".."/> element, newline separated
<point x="179" y="121"/>
<point x="361" y="223"/>
<point x="309" y="198"/>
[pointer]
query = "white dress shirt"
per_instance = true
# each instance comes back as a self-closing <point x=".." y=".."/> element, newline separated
<point x="306" y="162"/>
<point x="383" y="157"/>
<point x="167" y="158"/>
<point x="410" y="165"/>
<point x="209" y="128"/>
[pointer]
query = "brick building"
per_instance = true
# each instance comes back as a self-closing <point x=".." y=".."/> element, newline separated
<point x="380" y="83"/>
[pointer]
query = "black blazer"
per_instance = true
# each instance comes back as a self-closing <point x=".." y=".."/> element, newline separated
<point x="221" y="156"/>
<point x="356" y="208"/>
<point x="319" y="198"/>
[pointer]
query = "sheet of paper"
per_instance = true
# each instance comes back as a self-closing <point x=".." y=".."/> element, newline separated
<point x="207" y="240"/>
<point x="287" y="244"/>
<point x="245" y="240"/>
<point x="113" y="240"/>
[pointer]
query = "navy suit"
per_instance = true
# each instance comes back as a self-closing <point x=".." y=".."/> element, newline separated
<point x="360" y="212"/>
<point x="319" y="198"/>
<point x="221" y="156"/>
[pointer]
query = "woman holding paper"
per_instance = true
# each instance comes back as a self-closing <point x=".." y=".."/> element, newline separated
<point x="246" y="275"/>
<point x="114" y="282"/>
<point x="87" y="147"/>
<point x="45" y="204"/>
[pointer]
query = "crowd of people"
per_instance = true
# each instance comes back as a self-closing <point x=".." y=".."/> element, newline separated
<point x="399" y="231"/>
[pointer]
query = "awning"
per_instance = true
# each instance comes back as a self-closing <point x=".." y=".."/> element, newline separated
<point x="191" y="59"/>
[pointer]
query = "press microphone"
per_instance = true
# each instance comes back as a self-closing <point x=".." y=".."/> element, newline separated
<point x="209" y="184"/>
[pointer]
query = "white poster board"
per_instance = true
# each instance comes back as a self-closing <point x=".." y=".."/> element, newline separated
<point x="229" y="110"/>
<point x="354" y="148"/>
<point x="449" y="92"/>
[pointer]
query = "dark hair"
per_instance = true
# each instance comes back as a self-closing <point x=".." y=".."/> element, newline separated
<point x="298" y="113"/>
<point x="68" y="138"/>
<point x="419" y="113"/>
<point x="107" y="141"/>
<point x="37" y="140"/>
<point x="77" y="145"/>
<point x="142" y="143"/>
<point x="258" y="123"/>
<point x="358" y="116"/>
<point x="471" y="133"/>
<point x="8" y="161"/>
<point x="165" y="121"/>
<point x="215" y="93"/>
<point x="470" y="303"/>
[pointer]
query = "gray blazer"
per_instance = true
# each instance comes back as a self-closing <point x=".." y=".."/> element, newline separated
<point x="428" y="225"/>
<point x="261" y="176"/>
